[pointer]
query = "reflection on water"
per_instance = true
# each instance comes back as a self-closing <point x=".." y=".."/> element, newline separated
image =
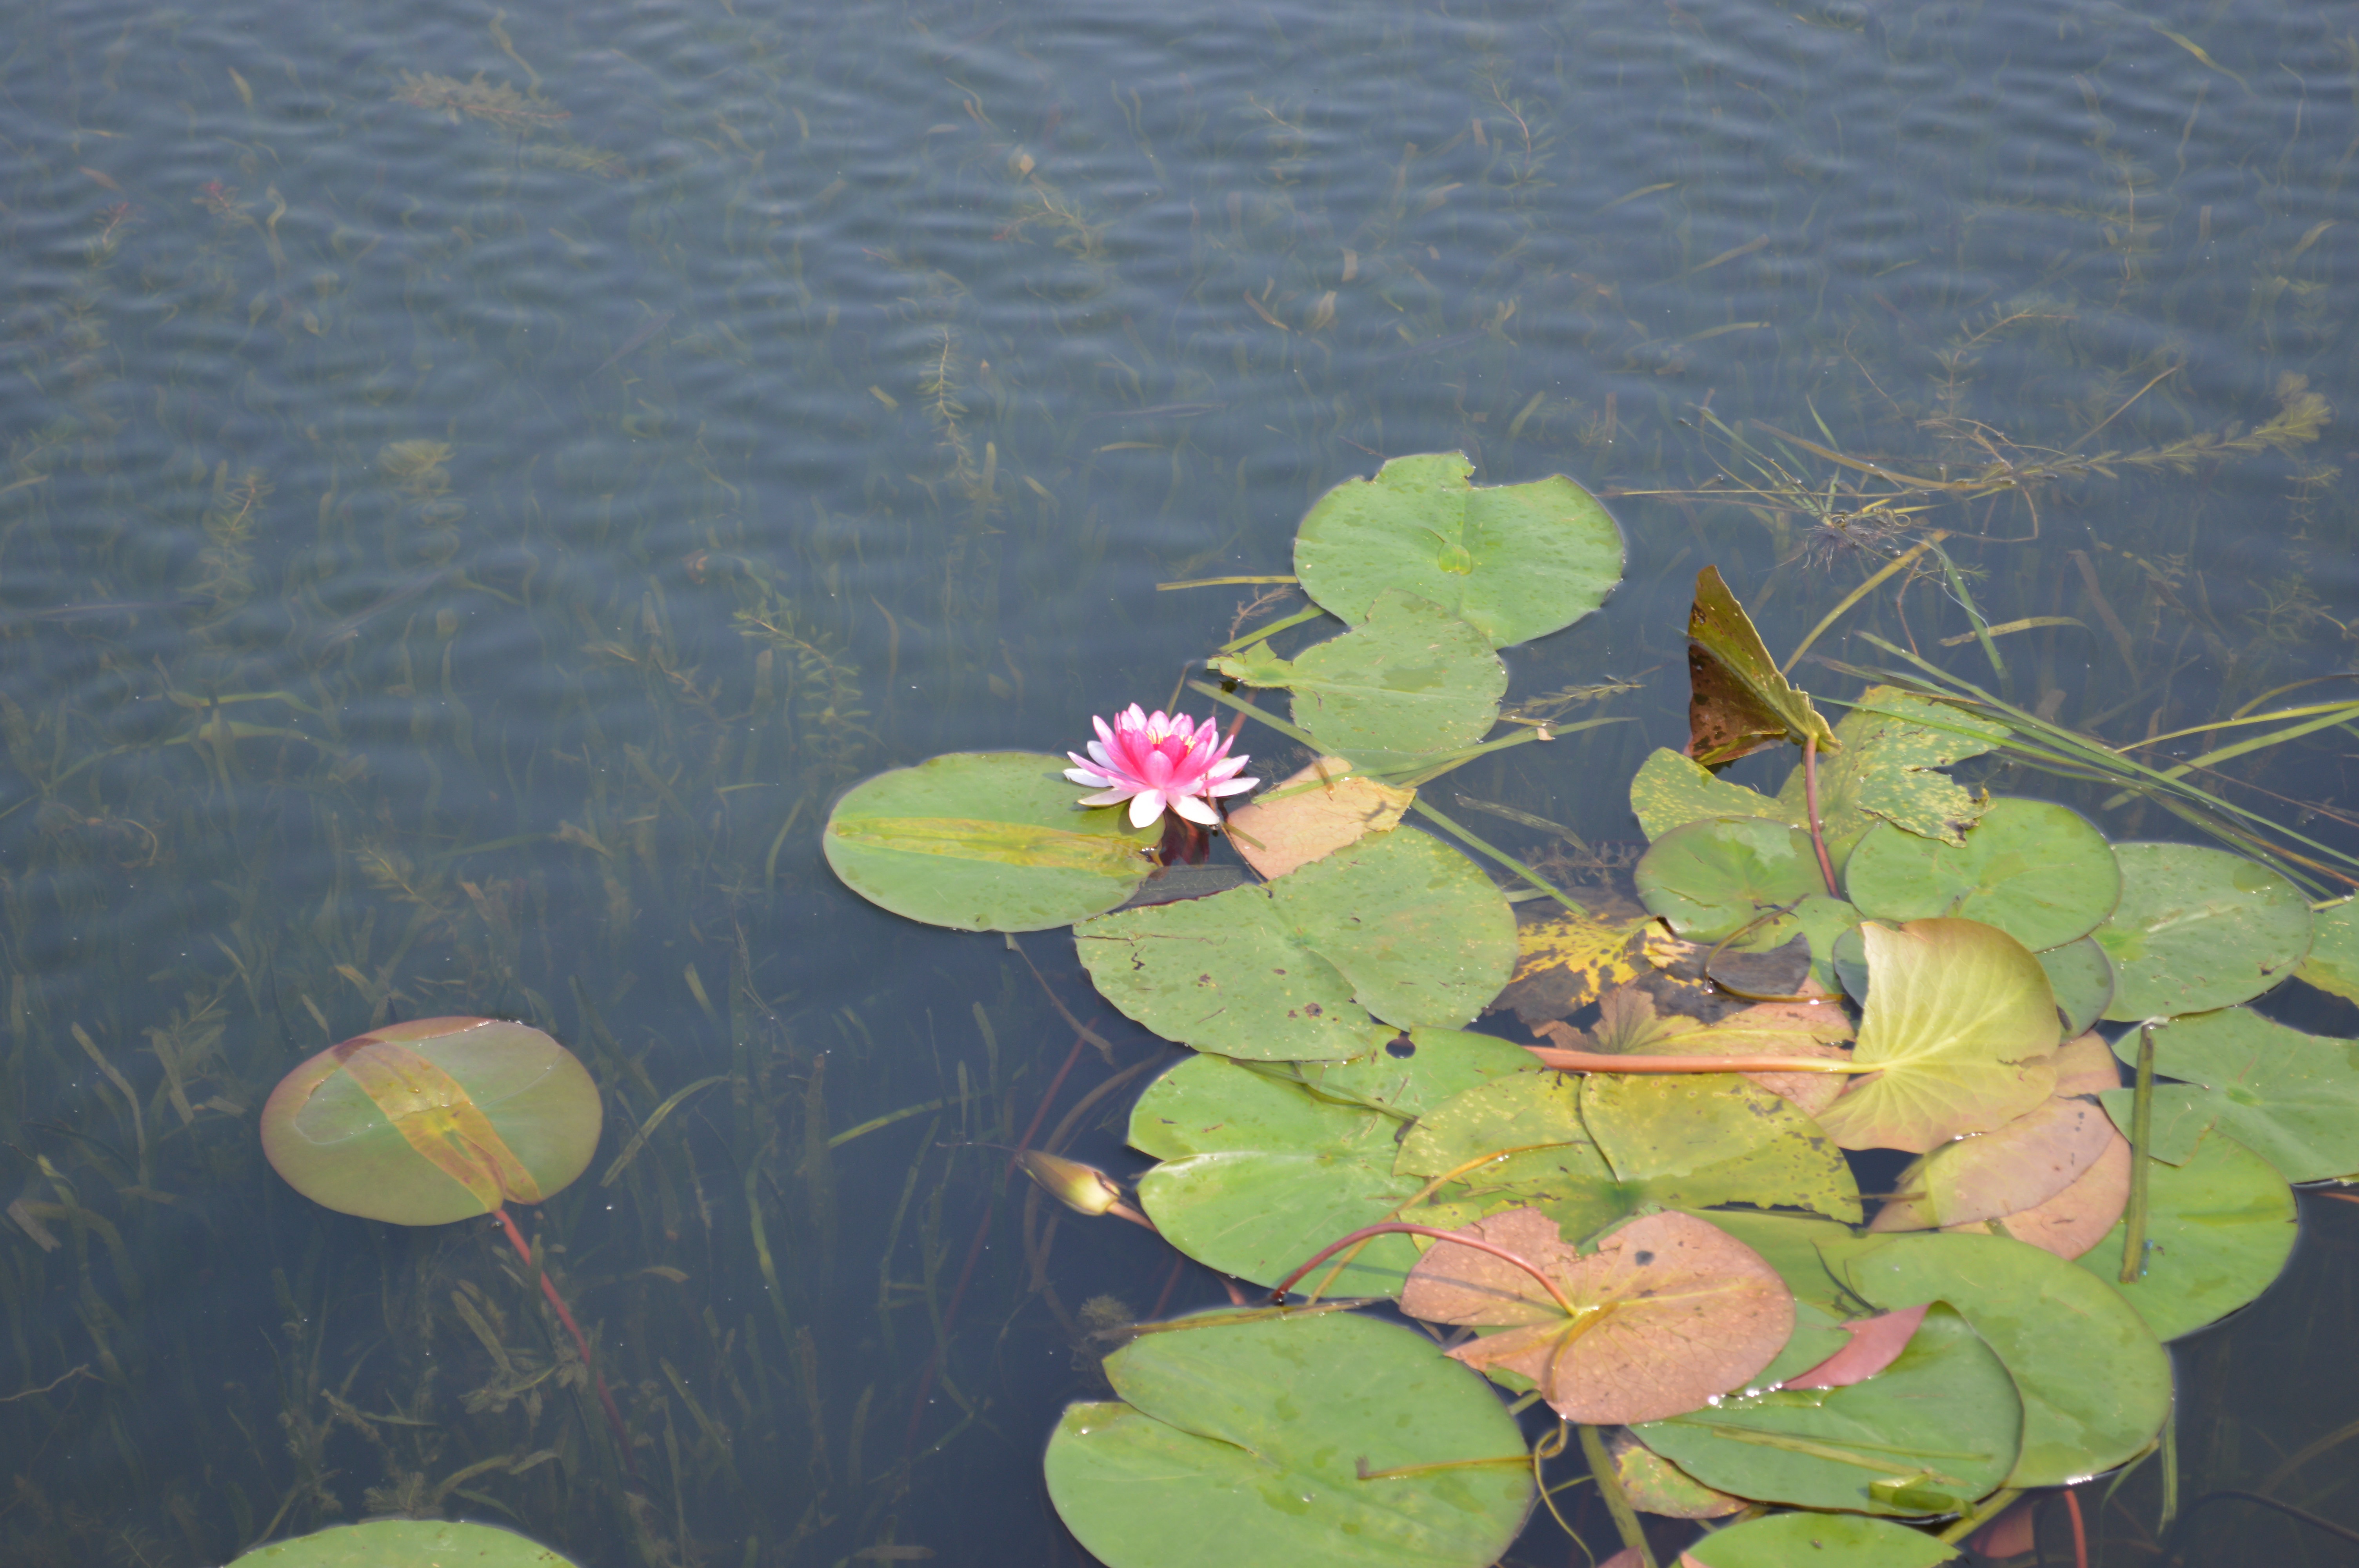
<point x="477" y="487"/>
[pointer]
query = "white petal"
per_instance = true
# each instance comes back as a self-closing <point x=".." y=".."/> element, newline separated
<point x="1089" y="778"/>
<point x="1145" y="808"/>
<point x="1195" y="810"/>
<point x="1106" y="798"/>
<point x="1232" y="786"/>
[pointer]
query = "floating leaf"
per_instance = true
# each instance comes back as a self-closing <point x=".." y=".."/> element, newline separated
<point x="1708" y="879"/>
<point x="1892" y="741"/>
<point x="1790" y="1244"/>
<point x="2081" y="975"/>
<point x="1823" y="1541"/>
<point x="2332" y="964"/>
<point x="985" y="841"/>
<point x="1655" y="1486"/>
<point x="1667" y="1314"/>
<point x="1875" y="1343"/>
<point x="2198" y="928"/>
<point x="1259" y="1173"/>
<point x="2290" y="1097"/>
<point x="432" y="1121"/>
<point x="1410" y="682"/>
<point x="1960" y="1019"/>
<point x="2019" y="1165"/>
<point x="1413" y="1073"/>
<point x="1670" y="791"/>
<point x="1943" y="1417"/>
<point x="1253" y="1433"/>
<point x="2095" y="1382"/>
<point x="1629" y="1024"/>
<point x="1397" y="926"/>
<point x="2035" y="870"/>
<point x="1515" y="561"/>
<point x="1706" y="1138"/>
<point x="1311" y="814"/>
<point x="2219" y="1228"/>
<point x="1738" y="702"/>
<point x="1566" y="959"/>
<point x="1518" y="1141"/>
<point x="1818" y="1333"/>
<point x="405" y="1543"/>
<point x="2076" y="1218"/>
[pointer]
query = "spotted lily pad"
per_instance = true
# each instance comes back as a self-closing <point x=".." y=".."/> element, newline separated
<point x="1408" y="682"/>
<point x="1396" y="928"/>
<point x="985" y="841"/>
<point x="1311" y="814"/>
<point x="2332" y="964"/>
<point x="1255" y="1431"/>
<point x="1892" y="744"/>
<point x="1672" y="791"/>
<point x="1515" y="561"/>
<point x="2198" y="928"/>
<point x="1668" y="1313"/>
<point x="2035" y="870"/>
<point x="2019" y="1165"/>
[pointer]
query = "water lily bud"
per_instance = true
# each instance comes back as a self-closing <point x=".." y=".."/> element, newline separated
<point x="1084" y="1189"/>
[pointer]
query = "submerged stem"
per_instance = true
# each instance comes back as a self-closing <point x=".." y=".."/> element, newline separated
<point x="580" y="1341"/>
<point x="1811" y="799"/>
<point x="2141" y="1134"/>
<point x="1617" y="1501"/>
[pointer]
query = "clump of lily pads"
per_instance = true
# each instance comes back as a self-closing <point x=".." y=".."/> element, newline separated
<point x="1650" y="1224"/>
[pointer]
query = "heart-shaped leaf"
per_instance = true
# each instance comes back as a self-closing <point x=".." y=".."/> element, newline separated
<point x="1410" y="682"/>
<point x="2020" y="1165"/>
<point x="1668" y="1313"/>
<point x="1256" y="1431"/>
<point x="2290" y="1097"/>
<point x="2035" y="870"/>
<point x="985" y="841"/>
<point x="432" y="1121"/>
<point x="1942" y="1419"/>
<point x="2075" y="1220"/>
<point x="1823" y="1541"/>
<point x="1892" y="742"/>
<point x="1708" y="879"/>
<point x="1672" y="791"/>
<point x="1394" y="926"/>
<point x="2198" y="928"/>
<point x="1515" y="561"/>
<point x="1959" y="1018"/>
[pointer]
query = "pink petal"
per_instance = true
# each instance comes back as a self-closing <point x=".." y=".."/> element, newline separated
<point x="1105" y="734"/>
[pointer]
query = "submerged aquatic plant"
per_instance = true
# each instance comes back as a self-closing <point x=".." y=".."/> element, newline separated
<point x="1154" y="761"/>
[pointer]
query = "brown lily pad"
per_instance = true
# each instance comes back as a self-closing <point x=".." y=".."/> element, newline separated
<point x="1313" y="813"/>
<point x="2020" y="1165"/>
<point x="1668" y="1314"/>
<point x="1655" y="1486"/>
<point x="1738" y="701"/>
<point x="2076" y="1219"/>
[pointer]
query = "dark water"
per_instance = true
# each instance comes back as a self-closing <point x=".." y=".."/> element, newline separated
<point x="479" y="481"/>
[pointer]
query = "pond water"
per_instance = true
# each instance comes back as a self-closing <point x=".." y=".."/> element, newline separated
<point x="478" y="482"/>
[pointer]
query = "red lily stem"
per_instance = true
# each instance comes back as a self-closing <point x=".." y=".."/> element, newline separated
<point x="1600" y="1062"/>
<point x="974" y="1251"/>
<point x="1811" y="801"/>
<point x="1401" y="1228"/>
<point x="2079" y="1530"/>
<point x="580" y="1341"/>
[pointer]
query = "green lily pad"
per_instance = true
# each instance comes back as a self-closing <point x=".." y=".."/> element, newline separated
<point x="1251" y="1433"/>
<point x="1696" y="1139"/>
<point x="2035" y="870"/>
<point x="2332" y="964"/>
<point x="432" y="1121"/>
<point x="985" y="841"/>
<point x="1892" y="742"/>
<point x="1408" y="682"/>
<point x="1515" y="561"/>
<point x="1960" y="1019"/>
<point x="1823" y="1541"/>
<point x="1259" y="1173"/>
<point x="1395" y="926"/>
<point x="2094" y="1381"/>
<point x="1944" y="1417"/>
<point x="1817" y="1333"/>
<point x="1413" y="1073"/>
<point x="1672" y="791"/>
<point x="406" y="1543"/>
<point x="2081" y="975"/>
<point x="1544" y="1158"/>
<point x="1708" y="879"/>
<point x="2198" y="928"/>
<point x="2291" y="1099"/>
<point x="1790" y="1244"/>
<point x="2219" y="1229"/>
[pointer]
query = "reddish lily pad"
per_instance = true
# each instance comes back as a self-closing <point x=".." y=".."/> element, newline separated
<point x="2017" y="1166"/>
<point x="442" y="1119"/>
<point x="1668" y="1314"/>
<point x="2076" y="1219"/>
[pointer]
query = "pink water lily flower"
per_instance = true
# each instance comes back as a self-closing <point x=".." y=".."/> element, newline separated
<point x="1153" y="760"/>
